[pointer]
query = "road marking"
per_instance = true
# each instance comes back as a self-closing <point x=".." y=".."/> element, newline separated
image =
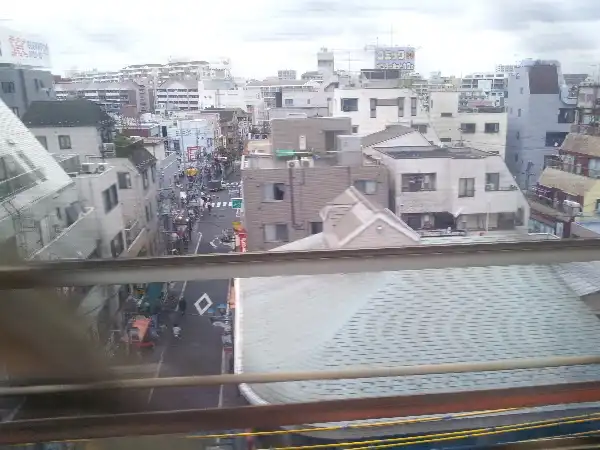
<point x="162" y="353"/>
<point x="230" y="204"/>
<point x="222" y="387"/>
<point x="218" y="204"/>
<point x="203" y="298"/>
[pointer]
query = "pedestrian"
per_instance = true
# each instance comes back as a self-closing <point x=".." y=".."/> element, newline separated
<point x="182" y="304"/>
<point x="176" y="331"/>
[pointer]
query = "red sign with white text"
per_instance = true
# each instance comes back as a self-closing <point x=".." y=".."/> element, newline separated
<point x="243" y="242"/>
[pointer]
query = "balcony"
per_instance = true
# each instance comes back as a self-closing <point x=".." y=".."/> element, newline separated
<point x="20" y="183"/>
<point x="135" y="235"/>
<point x="549" y="207"/>
<point x="77" y="241"/>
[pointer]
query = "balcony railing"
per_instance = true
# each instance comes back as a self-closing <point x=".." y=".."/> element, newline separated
<point x="577" y="169"/>
<point x="494" y="188"/>
<point x="132" y="231"/>
<point x="75" y="241"/>
<point x="558" y="207"/>
<point x="20" y="183"/>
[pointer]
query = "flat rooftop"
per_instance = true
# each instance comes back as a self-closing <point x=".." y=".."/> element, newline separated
<point x="432" y="152"/>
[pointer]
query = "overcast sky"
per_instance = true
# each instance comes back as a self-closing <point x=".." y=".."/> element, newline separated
<point x="261" y="36"/>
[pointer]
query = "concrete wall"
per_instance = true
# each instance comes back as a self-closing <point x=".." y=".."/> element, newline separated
<point x="306" y="192"/>
<point x="26" y="89"/>
<point x="526" y="137"/>
<point x="85" y="141"/>
<point x="285" y="133"/>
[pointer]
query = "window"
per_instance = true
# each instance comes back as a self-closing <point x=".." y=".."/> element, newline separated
<point x="566" y="115"/>
<point x="37" y="84"/>
<point x="316" y="227"/>
<point x="147" y="213"/>
<point x="349" y="104"/>
<point x="145" y="182"/>
<point x="520" y="90"/>
<point x="417" y="182"/>
<point x="59" y="213"/>
<point x="492" y="181"/>
<point x="42" y="140"/>
<point x="153" y="173"/>
<point x="492" y="127"/>
<point x="367" y="187"/>
<point x="373" y="107"/>
<point x="117" y="245"/>
<point x="466" y="187"/>
<point x="519" y="112"/>
<point x="445" y="139"/>
<point x="8" y="87"/>
<point x="518" y="135"/>
<point x="400" y="106"/>
<point x="413" y="106"/>
<point x="420" y="128"/>
<point x="110" y="198"/>
<point x="354" y="129"/>
<point x="276" y="232"/>
<point x="386" y="101"/>
<point x="64" y="142"/>
<point x="289" y="102"/>
<point x="468" y="128"/>
<point x="555" y="138"/>
<point x="124" y="180"/>
<point x="446" y="114"/>
<point x="273" y="192"/>
<point x="15" y="110"/>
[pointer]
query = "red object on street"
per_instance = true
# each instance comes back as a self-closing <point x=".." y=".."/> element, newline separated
<point x="243" y="241"/>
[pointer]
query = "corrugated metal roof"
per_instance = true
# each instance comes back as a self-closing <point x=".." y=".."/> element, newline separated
<point x="570" y="183"/>
<point x="582" y="143"/>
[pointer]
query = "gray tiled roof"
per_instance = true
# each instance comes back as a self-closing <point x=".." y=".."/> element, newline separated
<point x="390" y="132"/>
<point x="385" y="319"/>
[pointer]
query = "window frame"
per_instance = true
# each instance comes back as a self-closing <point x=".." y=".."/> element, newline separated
<point x="413" y="106"/>
<point x="496" y="127"/>
<point x="110" y="198"/>
<point x="277" y="226"/>
<point x="64" y="142"/>
<point x="429" y="185"/>
<point x="465" y="127"/>
<point x="43" y="140"/>
<point x="272" y="186"/>
<point x="124" y="180"/>
<point x="365" y="183"/>
<point x="463" y="188"/>
<point x="344" y="107"/>
<point x="315" y="224"/>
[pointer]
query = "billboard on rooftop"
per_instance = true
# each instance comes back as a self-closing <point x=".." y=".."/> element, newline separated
<point x="401" y="58"/>
<point x="23" y="49"/>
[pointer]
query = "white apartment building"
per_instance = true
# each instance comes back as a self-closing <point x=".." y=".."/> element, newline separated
<point x="44" y="216"/>
<point x="483" y="89"/>
<point x="438" y="187"/>
<point x="80" y="127"/>
<point x="112" y="96"/>
<point x="178" y="95"/>
<point x="439" y="119"/>
<point x="193" y="137"/>
<point x="268" y="89"/>
<point x="287" y="74"/>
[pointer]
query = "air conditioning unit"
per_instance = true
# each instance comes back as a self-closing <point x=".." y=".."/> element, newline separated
<point x="294" y="164"/>
<point x="108" y="149"/>
<point x="88" y="167"/>
<point x="102" y="167"/>
<point x="307" y="162"/>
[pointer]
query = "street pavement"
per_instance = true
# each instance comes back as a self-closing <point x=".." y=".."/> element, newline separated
<point x="199" y="351"/>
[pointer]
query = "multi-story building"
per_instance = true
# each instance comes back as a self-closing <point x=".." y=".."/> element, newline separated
<point x="234" y="126"/>
<point x="82" y="128"/>
<point x="113" y="97"/>
<point x="287" y="74"/>
<point x="483" y="89"/>
<point x="438" y="187"/>
<point x="19" y="86"/>
<point x="541" y="111"/>
<point x="313" y="136"/>
<point x="47" y="215"/>
<point x="178" y="95"/>
<point x="270" y="90"/>
<point x="569" y="187"/>
<point x="376" y="103"/>
<point x="284" y="191"/>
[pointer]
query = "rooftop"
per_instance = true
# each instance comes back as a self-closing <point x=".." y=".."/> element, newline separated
<point x="96" y="86"/>
<point x="66" y="113"/>
<point x="433" y="152"/>
<point x="585" y="144"/>
<point x="276" y="82"/>
<point x="411" y="317"/>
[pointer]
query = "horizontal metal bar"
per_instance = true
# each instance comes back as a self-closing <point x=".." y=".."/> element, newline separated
<point x="255" y="378"/>
<point x="273" y="416"/>
<point x="265" y="264"/>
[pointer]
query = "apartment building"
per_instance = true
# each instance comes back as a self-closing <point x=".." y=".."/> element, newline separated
<point x="44" y="216"/>
<point x="283" y="192"/>
<point x="541" y="111"/>
<point x="483" y="89"/>
<point x="287" y="74"/>
<point x="19" y="86"/>
<point x="178" y="95"/>
<point x="270" y="90"/>
<point x="439" y="187"/>
<point x="81" y="127"/>
<point x="313" y="136"/>
<point x="569" y="188"/>
<point x="114" y="97"/>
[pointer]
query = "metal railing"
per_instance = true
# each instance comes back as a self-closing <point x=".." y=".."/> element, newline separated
<point x="132" y="231"/>
<point x="20" y="183"/>
<point x="220" y="266"/>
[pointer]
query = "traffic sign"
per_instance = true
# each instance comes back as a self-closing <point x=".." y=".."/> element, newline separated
<point x="236" y="203"/>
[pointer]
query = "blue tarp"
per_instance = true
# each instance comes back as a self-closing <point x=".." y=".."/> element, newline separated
<point x="153" y="293"/>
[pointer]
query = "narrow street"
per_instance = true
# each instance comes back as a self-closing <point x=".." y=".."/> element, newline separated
<point x="200" y="350"/>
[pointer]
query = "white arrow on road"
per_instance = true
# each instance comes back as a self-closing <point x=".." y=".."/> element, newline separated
<point x="205" y="299"/>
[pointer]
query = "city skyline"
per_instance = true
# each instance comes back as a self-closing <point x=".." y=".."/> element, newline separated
<point x="458" y="38"/>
